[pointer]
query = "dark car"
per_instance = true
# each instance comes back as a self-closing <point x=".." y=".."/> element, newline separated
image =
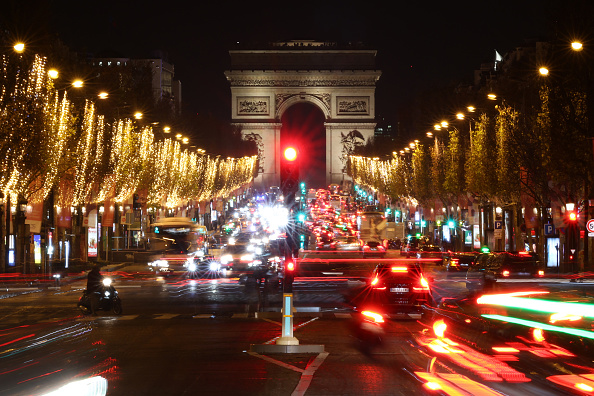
<point x="373" y="249"/>
<point x="459" y="262"/>
<point x="394" y="243"/>
<point x="430" y="252"/>
<point x="202" y="267"/>
<point x="398" y="288"/>
<point x="501" y="265"/>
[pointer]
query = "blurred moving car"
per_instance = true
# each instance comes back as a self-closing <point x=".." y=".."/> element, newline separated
<point x="202" y="267"/>
<point x="500" y="265"/>
<point x="349" y="243"/>
<point x="373" y="248"/>
<point x="241" y="261"/>
<point x="430" y="251"/>
<point x="399" y="288"/>
<point x="457" y="263"/>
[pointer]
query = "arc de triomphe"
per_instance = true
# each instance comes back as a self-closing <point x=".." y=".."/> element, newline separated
<point x="340" y="81"/>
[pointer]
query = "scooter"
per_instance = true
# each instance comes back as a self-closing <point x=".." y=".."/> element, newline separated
<point x="368" y="328"/>
<point x="108" y="299"/>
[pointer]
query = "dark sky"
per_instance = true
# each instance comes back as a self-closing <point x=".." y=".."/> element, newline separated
<point x="419" y="43"/>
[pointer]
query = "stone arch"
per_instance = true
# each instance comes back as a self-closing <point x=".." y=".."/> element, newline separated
<point x="283" y="104"/>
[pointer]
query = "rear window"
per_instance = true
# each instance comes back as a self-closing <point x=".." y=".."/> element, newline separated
<point x="397" y="270"/>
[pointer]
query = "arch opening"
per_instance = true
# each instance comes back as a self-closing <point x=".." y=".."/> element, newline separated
<point x="303" y="127"/>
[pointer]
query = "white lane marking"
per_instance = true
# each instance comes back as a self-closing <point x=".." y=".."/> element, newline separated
<point x="129" y="286"/>
<point x="127" y="317"/>
<point x="273" y="321"/>
<point x="202" y="316"/>
<point x="308" y="374"/>
<point x="166" y="316"/>
<point x="277" y="362"/>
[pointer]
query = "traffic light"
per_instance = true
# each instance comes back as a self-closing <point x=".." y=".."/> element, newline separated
<point x="303" y="188"/>
<point x="290" y="175"/>
<point x="289" y="275"/>
<point x="572" y="216"/>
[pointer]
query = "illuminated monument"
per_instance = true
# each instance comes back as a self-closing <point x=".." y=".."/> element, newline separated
<point x="339" y="81"/>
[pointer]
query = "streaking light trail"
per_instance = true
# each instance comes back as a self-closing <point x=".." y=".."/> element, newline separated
<point x="544" y="326"/>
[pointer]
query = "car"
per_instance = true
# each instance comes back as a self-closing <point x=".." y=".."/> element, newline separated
<point x="457" y="263"/>
<point x="373" y="248"/>
<point x="501" y="265"/>
<point x="430" y="251"/>
<point x="239" y="261"/>
<point x="201" y="266"/>
<point x="349" y="243"/>
<point x="397" y="287"/>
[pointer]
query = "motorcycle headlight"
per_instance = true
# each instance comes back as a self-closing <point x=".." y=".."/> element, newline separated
<point x="106" y="281"/>
<point x="106" y="294"/>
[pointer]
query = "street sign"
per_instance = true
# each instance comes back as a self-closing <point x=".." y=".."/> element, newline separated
<point x="549" y="229"/>
<point x="498" y="224"/>
<point x="590" y="225"/>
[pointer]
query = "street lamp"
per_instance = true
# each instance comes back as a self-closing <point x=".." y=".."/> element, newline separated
<point x="19" y="47"/>
<point x="577" y="46"/>
<point x="543" y="71"/>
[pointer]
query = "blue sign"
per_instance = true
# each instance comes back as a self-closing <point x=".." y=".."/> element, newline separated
<point x="549" y="229"/>
<point x="498" y="224"/>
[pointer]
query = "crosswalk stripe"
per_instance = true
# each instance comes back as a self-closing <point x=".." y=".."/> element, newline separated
<point x="166" y="316"/>
<point x="202" y="316"/>
<point x="127" y="317"/>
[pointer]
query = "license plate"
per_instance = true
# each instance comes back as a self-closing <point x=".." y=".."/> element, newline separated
<point x="399" y="289"/>
<point x="524" y="273"/>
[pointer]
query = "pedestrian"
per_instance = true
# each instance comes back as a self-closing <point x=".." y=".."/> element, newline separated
<point x="94" y="286"/>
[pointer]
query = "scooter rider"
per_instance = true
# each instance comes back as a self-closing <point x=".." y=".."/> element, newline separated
<point x="94" y="286"/>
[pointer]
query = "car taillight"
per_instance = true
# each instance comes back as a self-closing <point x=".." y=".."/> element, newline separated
<point x="505" y="273"/>
<point x="385" y="243"/>
<point x="373" y="316"/>
<point x="376" y="284"/>
<point x="423" y="285"/>
<point x="541" y="273"/>
<point x="454" y="262"/>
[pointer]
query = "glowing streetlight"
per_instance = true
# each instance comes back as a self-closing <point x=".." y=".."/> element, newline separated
<point x="429" y="134"/>
<point x="77" y="83"/>
<point x="460" y="116"/>
<point x="491" y="96"/>
<point x="577" y="46"/>
<point x="444" y="124"/>
<point x="19" y="47"/>
<point x="471" y="109"/>
<point x="53" y="74"/>
<point x="166" y="129"/>
<point x="178" y="136"/>
<point x="543" y="71"/>
<point x="437" y="127"/>
<point x="103" y="95"/>
<point x="185" y="140"/>
<point x="138" y="115"/>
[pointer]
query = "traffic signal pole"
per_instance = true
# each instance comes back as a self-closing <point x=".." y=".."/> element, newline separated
<point x="287" y="337"/>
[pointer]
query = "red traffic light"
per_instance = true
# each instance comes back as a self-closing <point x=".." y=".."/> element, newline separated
<point x="572" y="216"/>
<point x="290" y="265"/>
<point x="290" y="154"/>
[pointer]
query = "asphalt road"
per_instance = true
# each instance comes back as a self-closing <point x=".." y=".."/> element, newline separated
<point x="179" y="336"/>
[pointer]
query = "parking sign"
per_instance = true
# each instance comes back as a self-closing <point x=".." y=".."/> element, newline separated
<point x="549" y="229"/>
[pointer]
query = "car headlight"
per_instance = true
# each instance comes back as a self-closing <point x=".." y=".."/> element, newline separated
<point x="247" y="257"/>
<point x="106" y="281"/>
<point x="192" y="266"/>
<point x="214" y="266"/>
<point x="227" y="258"/>
<point x="106" y="294"/>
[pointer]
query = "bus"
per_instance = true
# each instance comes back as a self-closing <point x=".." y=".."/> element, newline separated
<point x="176" y="235"/>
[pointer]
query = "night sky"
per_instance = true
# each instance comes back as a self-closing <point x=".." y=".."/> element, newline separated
<point x="420" y="44"/>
